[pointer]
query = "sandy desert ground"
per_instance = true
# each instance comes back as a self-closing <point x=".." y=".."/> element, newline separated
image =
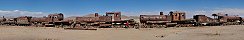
<point x="233" y="32"/>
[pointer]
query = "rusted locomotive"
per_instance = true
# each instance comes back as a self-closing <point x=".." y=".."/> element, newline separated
<point x="154" y="20"/>
<point x="23" y="21"/>
<point x="93" y="22"/>
<point x="51" y="20"/>
<point x="219" y="19"/>
<point x="176" y="19"/>
<point x="110" y="20"/>
<point x="230" y="20"/>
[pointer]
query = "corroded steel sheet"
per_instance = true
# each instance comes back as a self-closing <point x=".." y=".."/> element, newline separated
<point x="145" y="18"/>
<point x="105" y="18"/>
<point x="87" y="19"/>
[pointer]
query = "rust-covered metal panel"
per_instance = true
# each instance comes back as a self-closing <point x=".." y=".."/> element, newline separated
<point x="205" y="19"/>
<point x="201" y="18"/>
<point x="212" y="20"/>
<point x="105" y="18"/>
<point x="42" y="19"/>
<point x="23" y="19"/>
<point x="177" y="16"/>
<point x="234" y="17"/>
<point x="116" y="16"/>
<point x="87" y="19"/>
<point x="222" y="19"/>
<point x="55" y="17"/>
<point x="145" y="18"/>
<point x="242" y="19"/>
<point x="51" y="18"/>
<point x="231" y="18"/>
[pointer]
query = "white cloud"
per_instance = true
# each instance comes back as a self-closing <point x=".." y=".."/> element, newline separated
<point x="16" y="13"/>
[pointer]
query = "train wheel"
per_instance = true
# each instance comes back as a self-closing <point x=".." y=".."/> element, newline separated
<point x="164" y="26"/>
<point x="32" y="24"/>
<point x="145" y="26"/>
<point x="160" y="26"/>
<point x="177" y="25"/>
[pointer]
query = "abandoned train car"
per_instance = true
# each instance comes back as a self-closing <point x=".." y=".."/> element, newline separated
<point x="110" y="20"/>
<point x="175" y="18"/>
<point x="219" y="19"/>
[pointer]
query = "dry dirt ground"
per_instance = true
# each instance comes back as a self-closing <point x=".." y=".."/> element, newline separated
<point x="234" y="32"/>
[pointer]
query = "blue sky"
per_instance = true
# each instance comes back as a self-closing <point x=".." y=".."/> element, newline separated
<point x="127" y="7"/>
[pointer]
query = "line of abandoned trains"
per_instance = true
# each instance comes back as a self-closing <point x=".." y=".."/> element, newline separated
<point x="113" y="20"/>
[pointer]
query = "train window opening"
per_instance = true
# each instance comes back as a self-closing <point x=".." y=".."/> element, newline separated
<point x="109" y="14"/>
<point x="117" y="15"/>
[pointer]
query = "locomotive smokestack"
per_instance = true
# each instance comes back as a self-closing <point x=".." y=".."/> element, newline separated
<point x="161" y="13"/>
<point x="171" y="12"/>
<point x="96" y="14"/>
<point x="226" y="14"/>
